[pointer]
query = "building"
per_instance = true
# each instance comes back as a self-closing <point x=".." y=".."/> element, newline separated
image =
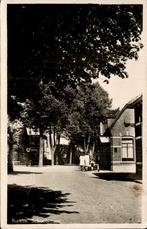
<point x="32" y="145"/>
<point x="104" y="153"/>
<point x="125" y="139"/>
<point x="138" y="133"/>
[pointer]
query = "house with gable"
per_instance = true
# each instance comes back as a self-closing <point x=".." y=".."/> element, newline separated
<point x="124" y="135"/>
<point x="32" y="144"/>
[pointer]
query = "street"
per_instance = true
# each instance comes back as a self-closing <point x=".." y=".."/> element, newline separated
<point x="65" y="195"/>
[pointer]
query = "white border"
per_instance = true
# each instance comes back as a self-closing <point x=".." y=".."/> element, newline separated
<point x="3" y="108"/>
<point x="144" y="196"/>
<point x="3" y="104"/>
<point x="104" y="2"/>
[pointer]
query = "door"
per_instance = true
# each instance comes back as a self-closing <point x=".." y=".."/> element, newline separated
<point x="105" y="157"/>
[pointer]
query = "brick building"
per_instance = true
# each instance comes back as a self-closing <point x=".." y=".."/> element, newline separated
<point x="125" y="138"/>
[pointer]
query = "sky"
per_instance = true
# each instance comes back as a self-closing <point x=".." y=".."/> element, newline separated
<point x="123" y="90"/>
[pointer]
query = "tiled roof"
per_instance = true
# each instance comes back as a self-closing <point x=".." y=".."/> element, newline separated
<point x="112" y="113"/>
<point x="131" y="104"/>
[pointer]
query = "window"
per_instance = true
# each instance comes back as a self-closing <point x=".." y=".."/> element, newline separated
<point x="127" y="150"/>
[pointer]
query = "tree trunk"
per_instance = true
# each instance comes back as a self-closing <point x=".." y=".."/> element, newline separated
<point x="10" y="152"/>
<point x="41" y="149"/>
<point x="53" y="156"/>
<point x="88" y="143"/>
<point x="54" y="140"/>
<point x="93" y="147"/>
<point x="70" y="155"/>
<point x="10" y="160"/>
<point x="52" y="145"/>
<point x="85" y="145"/>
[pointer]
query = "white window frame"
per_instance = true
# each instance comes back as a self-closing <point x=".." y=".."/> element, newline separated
<point x="128" y="143"/>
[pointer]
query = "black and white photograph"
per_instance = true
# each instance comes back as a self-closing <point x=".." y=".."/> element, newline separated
<point x="73" y="92"/>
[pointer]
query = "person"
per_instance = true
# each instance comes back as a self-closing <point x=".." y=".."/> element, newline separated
<point x="82" y="162"/>
<point x="92" y="164"/>
<point x="98" y="163"/>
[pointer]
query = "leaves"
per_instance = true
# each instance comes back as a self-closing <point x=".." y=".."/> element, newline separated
<point x="70" y="43"/>
<point x="46" y="112"/>
<point x="54" y="52"/>
<point x="88" y="109"/>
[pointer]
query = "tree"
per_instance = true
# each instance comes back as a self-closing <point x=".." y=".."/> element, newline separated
<point x="15" y="132"/>
<point x="48" y="114"/>
<point x="69" y="43"/>
<point x="15" y="129"/>
<point x="88" y="109"/>
<point x="98" y="39"/>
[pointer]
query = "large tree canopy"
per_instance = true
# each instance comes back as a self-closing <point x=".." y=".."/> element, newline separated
<point x="69" y="43"/>
<point x="89" y="107"/>
<point x="48" y="114"/>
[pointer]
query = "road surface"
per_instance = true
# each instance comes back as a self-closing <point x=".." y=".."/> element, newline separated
<point x="65" y="195"/>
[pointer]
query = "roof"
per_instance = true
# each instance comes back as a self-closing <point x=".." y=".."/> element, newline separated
<point x="131" y="104"/>
<point x="134" y="102"/>
<point x="112" y="113"/>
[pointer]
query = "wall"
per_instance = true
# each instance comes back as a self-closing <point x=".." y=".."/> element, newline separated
<point x="104" y="126"/>
<point x="124" y="167"/>
<point x="138" y="132"/>
<point x="120" y="129"/>
<point x="116" y="148"/>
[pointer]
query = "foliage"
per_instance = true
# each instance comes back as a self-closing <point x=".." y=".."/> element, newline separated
<point x="46" y="112"/>
<point x="59" y="48"/>
<point x="69" y="43"/>
<point x="15" y="132"/>
<point x="98" y="39"/>
<point x="88" y="109"/>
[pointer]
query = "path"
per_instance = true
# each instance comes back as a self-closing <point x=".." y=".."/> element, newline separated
<point x="64" y="194"/>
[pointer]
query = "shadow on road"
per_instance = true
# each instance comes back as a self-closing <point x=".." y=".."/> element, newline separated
<point x="25" y="202"/>
<point x="119" y="177"/>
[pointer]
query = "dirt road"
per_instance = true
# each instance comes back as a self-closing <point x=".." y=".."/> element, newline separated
<point x="65" y="195"/>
